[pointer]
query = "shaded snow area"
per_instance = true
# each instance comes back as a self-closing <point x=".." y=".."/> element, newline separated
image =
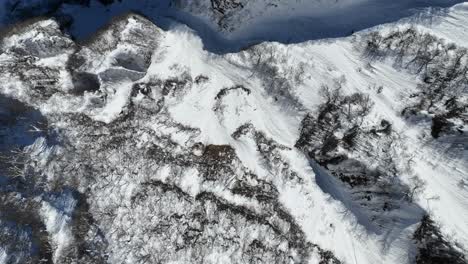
<point x="141" y="146"/>
<point x="230" y="25"/>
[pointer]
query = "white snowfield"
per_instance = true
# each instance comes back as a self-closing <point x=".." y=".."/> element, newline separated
<point x="321" y="205"/>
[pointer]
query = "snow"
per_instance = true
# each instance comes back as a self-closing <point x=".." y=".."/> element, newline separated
<point x="443" y="197"/>
<point x="191" y="182"/>
<point x="57" y="216"/>
<point x="321" y="205"/>
<point x="3" y="256"/>
<point x="329" y="223"/>
<point x="449" y="24"/>
<point x="256" y="108"/>
<point x="116" y="103"/>
<point x="287" y="22"/>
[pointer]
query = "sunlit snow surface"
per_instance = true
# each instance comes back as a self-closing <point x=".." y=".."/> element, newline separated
<point x="318" y="202"/>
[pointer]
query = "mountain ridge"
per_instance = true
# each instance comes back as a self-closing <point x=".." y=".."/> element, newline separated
<point x="250" y="155"/>
<point x="85" y="17"/>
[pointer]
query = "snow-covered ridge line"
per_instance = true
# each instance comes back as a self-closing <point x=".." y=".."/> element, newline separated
<point x="230" y="25"/>
<point x="157" y="150"/>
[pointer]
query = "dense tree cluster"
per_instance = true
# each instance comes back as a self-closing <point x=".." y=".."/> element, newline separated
<point x="441" y="97"/>
<point x="443" y="70"/>
<point x="433" y="247"/>
<point x="361" y="155"/>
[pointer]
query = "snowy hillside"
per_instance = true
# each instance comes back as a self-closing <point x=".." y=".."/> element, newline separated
<point x="138" y="145"/>
<point x="229" y="25"/>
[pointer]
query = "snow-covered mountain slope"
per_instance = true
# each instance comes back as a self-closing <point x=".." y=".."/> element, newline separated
<point x="139" y="146"/>
<point x="229" y="25"/>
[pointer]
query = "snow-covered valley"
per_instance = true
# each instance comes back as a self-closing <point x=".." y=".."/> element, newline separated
<point x="141" y="144"/>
